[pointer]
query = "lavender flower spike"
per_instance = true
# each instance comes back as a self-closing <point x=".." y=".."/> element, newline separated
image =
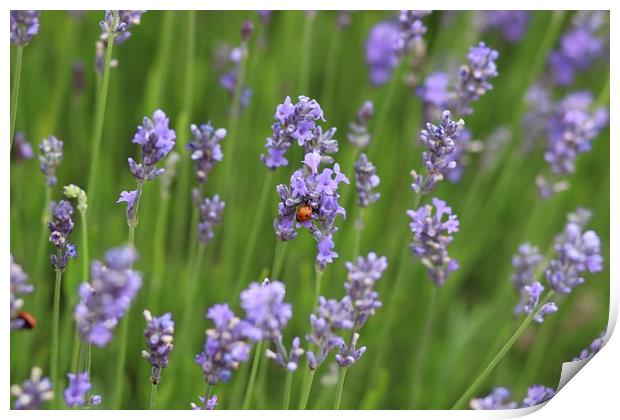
<point x="537" y="394"/>
<point x="511" y="23"/>
<point x="265" y="308"/>
<point x="411" y="28"/>
<point x="474" y="77"/>
<point x="358" y="134"/>
<point x="362" y="276"/>
<point x="79" y="385"/>
<point x="108" y="296"/>
<point x="496" y="400"/>
<point x="226" y="345"/>
<point x="532" y="293"/>
<point x="34" y="392"/>
<point x="61" y="225"/>
<point x="366" y="180"/>
<point x="382" y="51"/>
<point x="159" y="336"/>
<point x="19" y="287"/>
<point x="349" y="354"/>
<point x="49" y="159"/>
<point x="24" y="26"/>
<point x="156" y="140"/>
<point x="206" y="403"/>
<point x="525" y="264"/>
<point x="431" y="236"/>
<point x="211" y="210"/>
<point x="205" y="149"/>
<point x="594" y="348"/>
<point x="22" y="149"/>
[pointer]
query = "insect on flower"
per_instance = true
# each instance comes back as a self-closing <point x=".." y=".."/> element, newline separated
<point x="29" y="321"/>
<point x="303" y="213"/>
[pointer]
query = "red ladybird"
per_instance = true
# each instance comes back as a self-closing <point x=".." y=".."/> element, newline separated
<point x="29" y="321"/>
<point x="303" y="214"/>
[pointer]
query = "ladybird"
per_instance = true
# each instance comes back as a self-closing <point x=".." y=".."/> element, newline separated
<point x="29" y="321"/>
<point x="303" y="214"/>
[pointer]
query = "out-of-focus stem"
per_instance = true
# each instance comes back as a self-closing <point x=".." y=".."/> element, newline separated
<point x="15" y="91"/>
<point x="341" y="378"/>
<point x="55" y="334"/>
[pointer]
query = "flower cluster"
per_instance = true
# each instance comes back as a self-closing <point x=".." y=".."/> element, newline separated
<point x="49" y="159"/>
<point x="411" y="29"/>
<point x="525" y="263"/>
<point x="358" y="130"/>
<point x="115" y="26"/>
<point x="577" y="252"/>
<point x="19" y="287"/>
<point x="170" y="171"/>
<point x="594" y="348"/>
<point x="316" y="193"/>
<point x="382" y="51"/>
<point x="298" y="123"/>
<point x="211" y="210"/>
<point x="349" y="354"/>
<point x="499" y="397"/>
<point x="474" y="77"/>
<point x="206" y="403"/>
<point x="78" y="387"/>
<point x="156" y="140"/>
<point x="226" y="345"/>
<point x="362" y="275"/>
<point x="366" y="180"/>
<point x="531" y="294"/>
<point x="205" y="149"/>
<point x="440" y="141"/>
<point x="108" y="296"/>
<point x="330" y="316"/>
<point x="24" y="25"/>
<point x="34" y="392"/>
<point x="434" y="92"/>
<point x="22" y="149"/>
<point x="431" y="236"/>
<point x="578" y="48"/>
<point x="512" y="24"/>
<point x="229" y="79"/>
<point x="61" y="225"/>
<point x="159" y="337"/>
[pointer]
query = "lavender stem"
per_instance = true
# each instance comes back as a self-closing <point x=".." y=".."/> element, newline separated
<point x="255" y="363"/>
<point x="500" y="355"/>
<point x="286" y="400"/>
<point x="55" y="333"/>
<point x="153" y="396"/>
<point x="15" y="90"/>
<point x="421" y="353"/>
<point x="306" y="388"/>
<point x="341" y="378"/>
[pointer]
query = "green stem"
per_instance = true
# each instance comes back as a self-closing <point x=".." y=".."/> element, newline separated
<point x="500" y="355"/>
<point x="421" y="352"/>
<point x="305" y="392"/>
<point x="159" y="238"/>
<point x="305" y="55"/>
<point x="359" y="226"/>
<point x="247" y="400"/>
<point x="153" y="396"/>
<point x="15" y="91"/>
<point x="250" y="247"/>
<point x="278" y="258"/>
<point x="341" y="378"/>
<point x="286" y="399"/>
<point x="85" y="254"/>
<point x="55" y="335"/>
<point x="384" y="109"/>
<point x="102" y="98"/>
<point x="317" y="284"/>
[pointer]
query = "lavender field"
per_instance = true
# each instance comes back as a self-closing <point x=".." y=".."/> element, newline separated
<point x="306" y="210"/>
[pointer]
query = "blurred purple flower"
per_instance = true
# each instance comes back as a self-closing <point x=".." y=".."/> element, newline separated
<point x="358" y="133"/>
<point x="265" y="308"/>
<point x="50" y="157"/>
<point x="22" y="149"/>
<point x="205" y="149"/>
<point x="159" y="334"/>
<point x="382" y="51"/>
<point x="537" y="394"/>
<point x="411" y="29"/>
<point x="362" y="276"/>
<point x="211" y="210"/>
<point x="24" y="25"/>
<point x="496" y="400"/>
<point x="349" y="354"/>
<point x="474" y="78"/>
<point x="78" y="387"/>
<point x="366" y="180"/>
<point x="19" y="287"/>
<point x="34" y="392"/>
<point x="594" y="348"/>
<point x="205" y="403"/>
<point x="511" y="23"/>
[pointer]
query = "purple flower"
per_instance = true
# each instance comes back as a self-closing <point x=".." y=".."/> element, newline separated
<point x="330" y="316"/>
<point x="78" y="387"/>
<point x="108" y="296"/>
<point x="594" y="348"/>
<point x="525" y="263"/>
<point x="440" y="142"/>
<point x="265" y="308"/>
<point x="362" y="275"/>
<point x="116" y="25"/>
<point x="34" y="392"/>
<point x="95" y="400"/>
<point x="156" y="140"/>
<point x="229" y="79"/>
<point x="19" y="287"/>
<point x="411" y="29"/>
<point x="129" y="197"/>
<point x="205" y="403"/>
<point x="358" y="130"/>
<point x="434" y="91"/>
<point x="496" y="400"/>
<point x="537" y="394"/>
<point x="225" y="346"/>
<point x="578" y="48"/>
<point x="205" y="149"/>
<point x="49" y="159"/>
<point x="474" y="77"/>
<point x="366" y="180"/>
<point x="511" y="23"/>
<point x="349" y="354"/>
<point x="24" y="25"/>
<point x="297" y="123"/>
<point x="577" y="252"/>
<point x="287" y="360"/>
<point x="159" y="337"/>
<point x="22" y="149"/>
<point x="431" y="236"/>
<point x="532" y="293"/>
<point x="61" y="225"/>
<point x="382" y="51"/>
<point x="464" y="146"/>
<point x="318" y="191"/>
<point x="211" y="210"/>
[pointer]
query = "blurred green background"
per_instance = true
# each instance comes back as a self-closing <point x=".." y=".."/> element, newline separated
<point x="498" y="205"/>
